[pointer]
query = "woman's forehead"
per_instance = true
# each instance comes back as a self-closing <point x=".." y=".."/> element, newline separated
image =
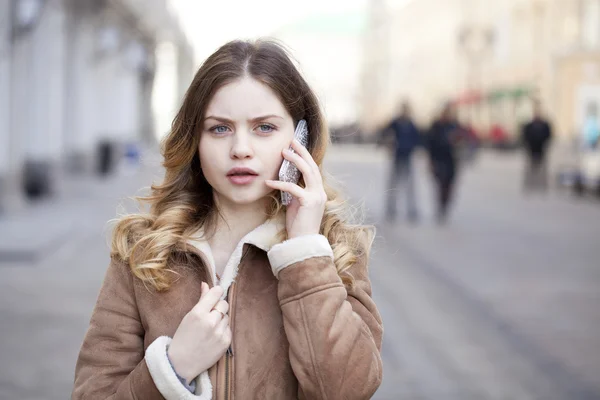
<point x="243" y="99"/>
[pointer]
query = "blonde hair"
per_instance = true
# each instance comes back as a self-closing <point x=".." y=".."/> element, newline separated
<point x="183" y="202"/>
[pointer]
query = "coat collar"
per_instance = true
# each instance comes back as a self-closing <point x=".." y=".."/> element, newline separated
<point x="264" y="237"/>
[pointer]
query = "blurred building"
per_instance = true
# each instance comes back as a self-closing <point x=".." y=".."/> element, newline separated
<point x="76" y="79"/>
<point x="377" y="95"/>
<point x="329" y="49"/>
<point x="489" y="58"/>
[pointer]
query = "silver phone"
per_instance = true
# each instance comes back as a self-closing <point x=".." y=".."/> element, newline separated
<point x="288" y="171"/>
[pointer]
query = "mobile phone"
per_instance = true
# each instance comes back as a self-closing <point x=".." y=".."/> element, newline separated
<point x="288" y="171"/>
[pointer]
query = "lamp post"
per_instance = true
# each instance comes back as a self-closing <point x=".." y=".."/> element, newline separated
<point x="538" y="8"/>
<point x="475" y="43"/>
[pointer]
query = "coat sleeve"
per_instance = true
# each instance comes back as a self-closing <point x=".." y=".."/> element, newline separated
<point x="334" y="334"/>
<point x="111" y="360"/>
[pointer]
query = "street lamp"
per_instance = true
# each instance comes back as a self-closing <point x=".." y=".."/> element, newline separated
<point x="108" y="39"/>
<point x="475" y="42"/>
<point x="25" y="16"/>
<point x="136" y="55"/>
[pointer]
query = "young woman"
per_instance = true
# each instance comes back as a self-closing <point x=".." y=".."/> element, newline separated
<point x="220" y="291"/>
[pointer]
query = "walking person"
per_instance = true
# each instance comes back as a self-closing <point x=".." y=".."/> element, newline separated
<point x="442" y="140"/>
<point x="405" y="139"/>
<point x="536" y="136"/>
<point x="220" y="290"/>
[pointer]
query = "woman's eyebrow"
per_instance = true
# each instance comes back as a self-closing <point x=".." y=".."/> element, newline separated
<point x="255" y="119"/>
<point x="263" y="117"/>
<point x="220" y="119"/>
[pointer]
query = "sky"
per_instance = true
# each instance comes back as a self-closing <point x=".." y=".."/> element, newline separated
<point x="309" y="28"/>
<point x="209" y="24"/>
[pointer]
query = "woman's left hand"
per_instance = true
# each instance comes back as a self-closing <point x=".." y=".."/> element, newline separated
<point x="305" y="212"/>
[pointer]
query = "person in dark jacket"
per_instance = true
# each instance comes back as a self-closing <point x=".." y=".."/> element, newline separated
<point x="536" y="136"/>
<point x="405" y="137"/>
<point x="442" y="139"/>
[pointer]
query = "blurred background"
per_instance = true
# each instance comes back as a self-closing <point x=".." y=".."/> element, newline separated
<point x="468" y="130"/>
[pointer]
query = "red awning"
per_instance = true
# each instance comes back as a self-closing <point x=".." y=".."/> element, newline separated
<point x="469" y="97"/>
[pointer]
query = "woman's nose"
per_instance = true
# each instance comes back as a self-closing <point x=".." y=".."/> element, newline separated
<point x="241" y="147"/>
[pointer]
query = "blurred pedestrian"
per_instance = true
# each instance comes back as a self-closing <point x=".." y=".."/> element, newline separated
<point x="442" y="140"/>
<point x="405" y="137"/>
<point x="536" y="137"/>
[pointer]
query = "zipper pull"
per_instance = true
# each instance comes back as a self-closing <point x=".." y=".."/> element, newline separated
<point x="230" y="350"/>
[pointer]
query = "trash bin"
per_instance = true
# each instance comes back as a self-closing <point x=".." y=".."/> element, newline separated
<point x="106" y="157"/>
<point x="36" y="179"/>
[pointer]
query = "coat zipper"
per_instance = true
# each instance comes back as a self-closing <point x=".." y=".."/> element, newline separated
<point x="227" y="376"/>
<point x="229" y="353"/>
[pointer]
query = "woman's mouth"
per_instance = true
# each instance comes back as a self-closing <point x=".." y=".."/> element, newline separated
<point x="241" y="176"/>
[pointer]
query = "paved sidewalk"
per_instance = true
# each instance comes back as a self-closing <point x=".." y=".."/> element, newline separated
<point x="42" y="227"/>
<point x="502" y="303"/>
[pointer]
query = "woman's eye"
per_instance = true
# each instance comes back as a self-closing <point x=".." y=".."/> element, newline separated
<point x="219" y="129"/>
<point x="266" y="128"/>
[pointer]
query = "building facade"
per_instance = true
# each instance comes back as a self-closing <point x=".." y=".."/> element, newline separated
<point x="489" y="58"/>
<point x="74" y="74"/>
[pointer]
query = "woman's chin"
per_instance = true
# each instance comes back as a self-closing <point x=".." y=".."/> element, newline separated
<point x="246" y="197"/>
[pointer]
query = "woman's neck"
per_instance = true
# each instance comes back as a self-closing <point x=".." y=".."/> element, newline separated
<point x="234" y="222"/>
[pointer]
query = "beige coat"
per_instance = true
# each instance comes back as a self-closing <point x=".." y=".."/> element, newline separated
<point x="298" y="332"/>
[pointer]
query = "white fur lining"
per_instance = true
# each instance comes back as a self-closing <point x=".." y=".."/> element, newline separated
<point x="207" y="256"/>
<point x="298" y="249"/>
<point x="263" y="237"/>
<point x="165" y="379"/>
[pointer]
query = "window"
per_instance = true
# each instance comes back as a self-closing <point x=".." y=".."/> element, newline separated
<point x="590" y="23"/>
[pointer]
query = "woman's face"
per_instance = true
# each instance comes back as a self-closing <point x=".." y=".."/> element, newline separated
<point x="244" y="131"/>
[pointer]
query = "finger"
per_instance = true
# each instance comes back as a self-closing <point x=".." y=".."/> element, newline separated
<point x="203" y="289"/>
<point x="216" y="315"/>
<point x="214" y="318"/>
<point x="222" y="306"/>
<point x="289" y="187"/>
<point x="209" y="300"/>
<point x="225" y="338"/>
<point x="227" y="334"/>
<point x="222" y="325"/>
<point x="306" y="156"/>
<point x="305" y="169"/>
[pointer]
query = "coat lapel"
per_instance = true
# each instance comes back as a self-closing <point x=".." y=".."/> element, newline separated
<point x="264" y="237"/>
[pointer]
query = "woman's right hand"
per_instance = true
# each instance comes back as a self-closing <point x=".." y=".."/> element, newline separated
<point x="203" y="335"/>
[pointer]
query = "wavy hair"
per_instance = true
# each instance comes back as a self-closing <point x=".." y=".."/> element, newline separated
<point x="183" y="202"/>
